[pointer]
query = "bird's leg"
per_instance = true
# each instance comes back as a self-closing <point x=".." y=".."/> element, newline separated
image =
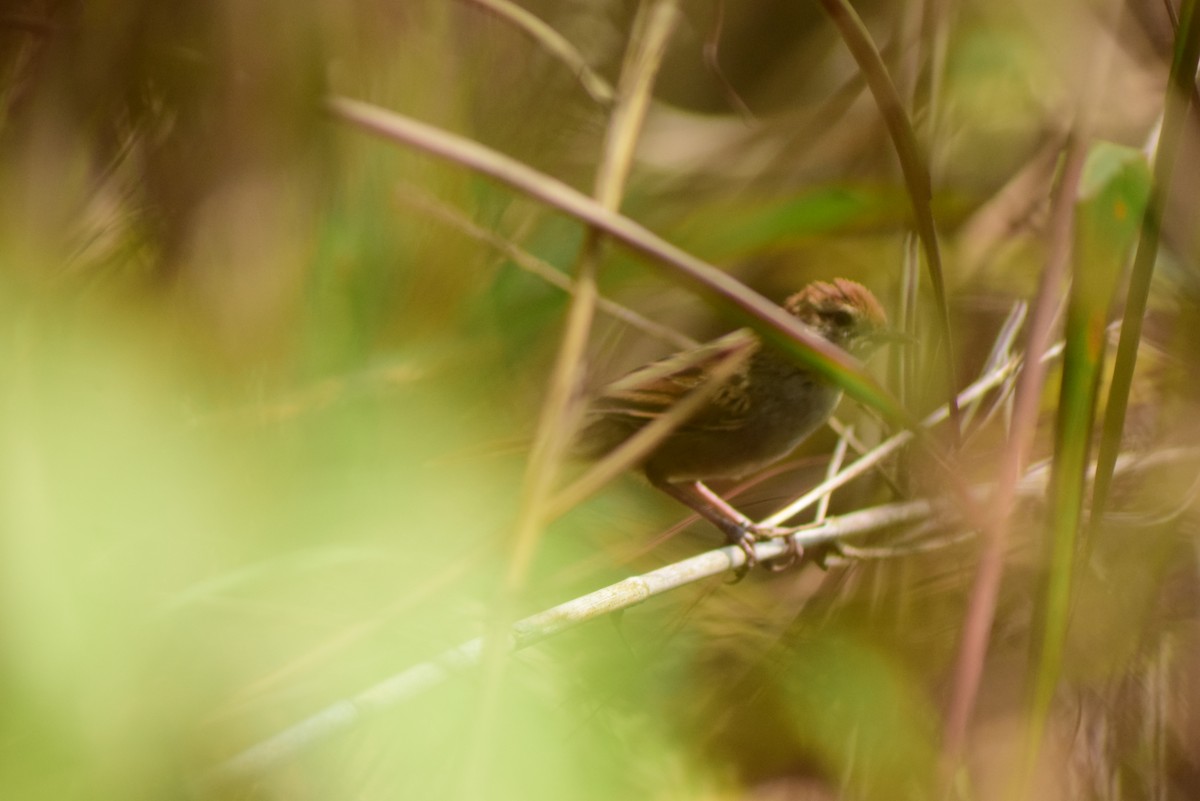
<point x="736" y="527"/>
<point x="757" y="532"/>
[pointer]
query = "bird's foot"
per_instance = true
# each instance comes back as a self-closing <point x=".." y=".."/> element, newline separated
<point x="742" y="535"/>
<point x="794" y="551"/>
<point x="791" y="556"/>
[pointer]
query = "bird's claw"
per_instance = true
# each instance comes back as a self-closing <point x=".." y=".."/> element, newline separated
<point x="744" y="538"/>
<point x="793" y="553"/>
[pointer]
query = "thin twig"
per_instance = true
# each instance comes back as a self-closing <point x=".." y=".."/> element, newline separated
<point x="711" y="53"/>
<point x="887" y="448"/>
<point x="976" y="390"/>
<point x="860" y="448"/>
<point x="930" y="545"/>
<point x="835" y="464"/>
<point x="542" y="269"/>
<point x="553" y="43"/>
<point x="981" y="608"/>
<point x="1000" y="353"/>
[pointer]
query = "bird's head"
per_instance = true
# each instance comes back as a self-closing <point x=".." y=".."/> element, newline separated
<point x="843" y="312"/>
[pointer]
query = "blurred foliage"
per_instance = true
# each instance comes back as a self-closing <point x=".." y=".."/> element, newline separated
<point x="255" y="411"/>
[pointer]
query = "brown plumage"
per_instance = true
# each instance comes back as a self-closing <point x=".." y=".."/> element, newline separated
<point x="755" y="417"/>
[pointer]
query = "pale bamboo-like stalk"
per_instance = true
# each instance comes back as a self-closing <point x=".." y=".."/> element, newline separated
<point x="655" y="22"/>
<point x="413" y="681"/>
<point x="409" y="683"/>
<point x="554" y="431"/>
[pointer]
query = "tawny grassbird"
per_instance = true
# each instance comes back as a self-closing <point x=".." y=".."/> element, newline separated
<point x="754" y="418"/>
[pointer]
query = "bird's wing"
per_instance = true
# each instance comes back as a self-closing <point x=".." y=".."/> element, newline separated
<point x="649" y="391"/>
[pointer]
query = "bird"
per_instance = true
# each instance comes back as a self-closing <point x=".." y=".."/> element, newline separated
<point x="753" y="418"/>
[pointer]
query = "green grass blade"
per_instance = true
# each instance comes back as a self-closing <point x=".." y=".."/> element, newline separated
<point x="1113" y="192"/>
<point x="912" y="164"/>
<point x="1180" y="88"/>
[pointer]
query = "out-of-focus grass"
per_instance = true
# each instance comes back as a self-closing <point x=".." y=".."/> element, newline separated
<point x="163" y="560"/>
<point x="256" y="415"/>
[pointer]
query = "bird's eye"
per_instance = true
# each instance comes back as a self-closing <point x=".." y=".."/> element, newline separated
<point x="839" y="317"/>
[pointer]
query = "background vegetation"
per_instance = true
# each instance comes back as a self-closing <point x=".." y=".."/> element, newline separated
<point x="261" y="375"/>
